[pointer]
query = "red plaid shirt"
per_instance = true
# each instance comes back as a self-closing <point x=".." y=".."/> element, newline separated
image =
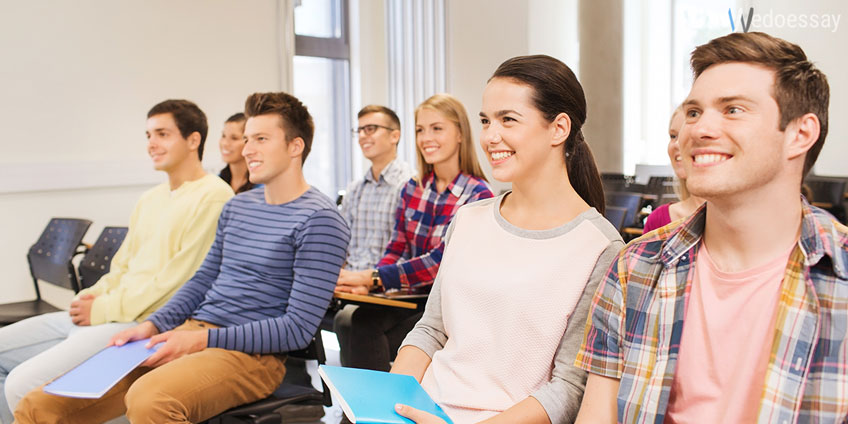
<point x="413" y="255"/>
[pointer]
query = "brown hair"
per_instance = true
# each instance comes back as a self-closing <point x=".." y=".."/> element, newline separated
<point x="294" y="118"/>
<point x="188" y="117"/>
<point x="367" y="110"/>
<point x="556" y="90"/>
<point x="799" y="87"/>
<point x="454" y="111"/>
<point x="236" y="117"/>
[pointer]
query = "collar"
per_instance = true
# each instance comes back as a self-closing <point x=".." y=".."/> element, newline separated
<point x="456" y="187"/>
<point x="369" y="176"/>
<point x="821" y="235"/>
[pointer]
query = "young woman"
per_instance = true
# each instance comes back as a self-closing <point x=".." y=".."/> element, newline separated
<point x="665" y="214"/>
<point x="231" y="143"/>
<point x="506" y="315"/>
<point x="449" y="177"/>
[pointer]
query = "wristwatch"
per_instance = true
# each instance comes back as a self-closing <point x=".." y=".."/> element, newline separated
<point x="376" y="283"/>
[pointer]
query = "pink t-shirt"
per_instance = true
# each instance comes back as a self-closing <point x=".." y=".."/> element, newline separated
<point x="726" y="343"/>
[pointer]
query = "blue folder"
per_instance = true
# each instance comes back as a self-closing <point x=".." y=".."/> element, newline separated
<point x="94" y="377"/>
<point x="369" y="397"/>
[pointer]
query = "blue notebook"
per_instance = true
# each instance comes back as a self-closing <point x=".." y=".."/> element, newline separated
<point x="94" y="377"/>
<point x="369" y="397"/>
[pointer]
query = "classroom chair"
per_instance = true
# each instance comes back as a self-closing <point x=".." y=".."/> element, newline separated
<point x="50" y="260"/>
<point x="98" y="258"/>
<point x="265" y="411"/>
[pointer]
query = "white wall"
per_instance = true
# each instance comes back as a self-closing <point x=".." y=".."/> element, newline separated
<point x="825" y="47"/>
<point x="77" y="80"/>
<point x="479" y="39"/>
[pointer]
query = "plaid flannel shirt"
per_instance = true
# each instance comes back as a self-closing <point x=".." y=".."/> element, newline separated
<point x="636" y="321"/>
<point x="369" y="207"/>
<point x="413" y="255"/>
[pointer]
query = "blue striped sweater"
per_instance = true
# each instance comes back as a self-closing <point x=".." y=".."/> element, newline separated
<point x="269" y="275"/>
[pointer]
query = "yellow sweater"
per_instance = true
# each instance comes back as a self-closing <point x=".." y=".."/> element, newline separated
<point x="169" y="236"/>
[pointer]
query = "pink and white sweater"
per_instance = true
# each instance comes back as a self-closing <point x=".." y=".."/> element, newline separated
<point x="506" y="314"/>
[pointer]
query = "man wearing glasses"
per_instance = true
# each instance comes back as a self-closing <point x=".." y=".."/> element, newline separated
<point x="370" y="203"/>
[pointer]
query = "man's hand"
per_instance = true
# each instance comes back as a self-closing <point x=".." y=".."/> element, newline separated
<point x="349" y="279"/>
<point x="145" y="330"/>
<point x="352" y="289"/>
<point x="417" y="415"/>
<point x="177" y="344"/>
<point x="81" y="310"/>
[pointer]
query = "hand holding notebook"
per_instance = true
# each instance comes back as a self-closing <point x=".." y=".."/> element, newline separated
<point x="368" y="396"/>
<point x="94" y="377"/>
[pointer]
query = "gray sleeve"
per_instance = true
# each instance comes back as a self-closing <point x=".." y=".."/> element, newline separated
<point x="562" y="395"/>
<point x="429" y="332"/>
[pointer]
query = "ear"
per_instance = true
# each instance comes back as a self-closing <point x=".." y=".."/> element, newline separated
<point x="561" y="129"/>
<point x="395" y="137"/>
<point x="193" y="140"/>
<point x="801" y="134"/>
<point x="295" y="146"/>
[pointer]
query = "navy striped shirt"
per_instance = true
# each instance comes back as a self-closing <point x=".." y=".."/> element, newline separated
<point x="269" y="274"/>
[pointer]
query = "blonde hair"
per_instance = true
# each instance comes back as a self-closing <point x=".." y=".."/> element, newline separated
<point x="452" y="109"/>
<point x="680" y="188"/>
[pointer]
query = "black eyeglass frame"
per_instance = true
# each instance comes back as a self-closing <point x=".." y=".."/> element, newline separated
<point x="358" y="130"/>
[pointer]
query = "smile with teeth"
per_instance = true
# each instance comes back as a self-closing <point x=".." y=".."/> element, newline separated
<point x="253" y="164"/>
<point x="226" y="152"/>
<point x="430" y="149"/>
<point x="710" y="158"/>
<point x="501" y="155"/>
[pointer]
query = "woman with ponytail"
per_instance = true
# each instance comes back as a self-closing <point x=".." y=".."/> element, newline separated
<point x="506" y="314"/>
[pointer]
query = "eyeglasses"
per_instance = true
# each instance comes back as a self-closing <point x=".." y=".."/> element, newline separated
<point x="369" y="129"/>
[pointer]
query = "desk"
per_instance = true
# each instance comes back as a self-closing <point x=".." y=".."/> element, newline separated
<point x="408" y="302"/>
<point x="633" y="231"/>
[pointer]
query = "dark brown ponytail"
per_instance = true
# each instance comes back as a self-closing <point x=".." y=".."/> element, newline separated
<point x="556" y="90"/>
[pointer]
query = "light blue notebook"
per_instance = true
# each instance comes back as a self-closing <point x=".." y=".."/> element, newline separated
<point x="369" y="397"/>
<point x="94" y="377"/>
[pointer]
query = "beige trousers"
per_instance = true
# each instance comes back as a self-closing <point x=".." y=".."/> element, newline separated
<point x="190" y="389"/>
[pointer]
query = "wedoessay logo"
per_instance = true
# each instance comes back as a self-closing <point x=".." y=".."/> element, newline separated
<point x="771" y="20"/>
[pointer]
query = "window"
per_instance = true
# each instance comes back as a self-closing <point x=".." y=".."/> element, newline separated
<point x="659" y="37"/>
<point x="321" y="77"/>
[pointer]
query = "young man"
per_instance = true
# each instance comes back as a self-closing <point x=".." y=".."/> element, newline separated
<point x="369" y="207"/>
<point x="370" y="203"/>
<point x="261" y="292"/>
<point x="738" y="313"/>
<point x="170" y="231"/>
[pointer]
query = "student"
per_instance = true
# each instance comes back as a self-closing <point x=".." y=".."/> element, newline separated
<point x="736" y="314"/>
<point x="449" y="177"/>
<point x="665" y="214"/>
<point x="370" y="203"/>
<point x="505" y="316"/>
<point x="260" y="293"/>
<point x="170" y="231"/>
<point x="231" y="144"/>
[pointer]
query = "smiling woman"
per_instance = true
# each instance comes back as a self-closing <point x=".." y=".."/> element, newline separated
<point x="231" y="145"/>
<point x="450" y="177"/>
<point x="506" y="313"/>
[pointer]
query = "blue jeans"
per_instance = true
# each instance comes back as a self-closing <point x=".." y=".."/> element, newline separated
<point x="38" y="349"/>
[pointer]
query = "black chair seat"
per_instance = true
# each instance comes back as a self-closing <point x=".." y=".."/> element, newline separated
<point x="286" y="394"/>
<point x="11" y="313"/>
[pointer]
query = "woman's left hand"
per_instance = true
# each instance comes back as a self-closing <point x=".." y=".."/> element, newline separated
<point x="417" y="415"/>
